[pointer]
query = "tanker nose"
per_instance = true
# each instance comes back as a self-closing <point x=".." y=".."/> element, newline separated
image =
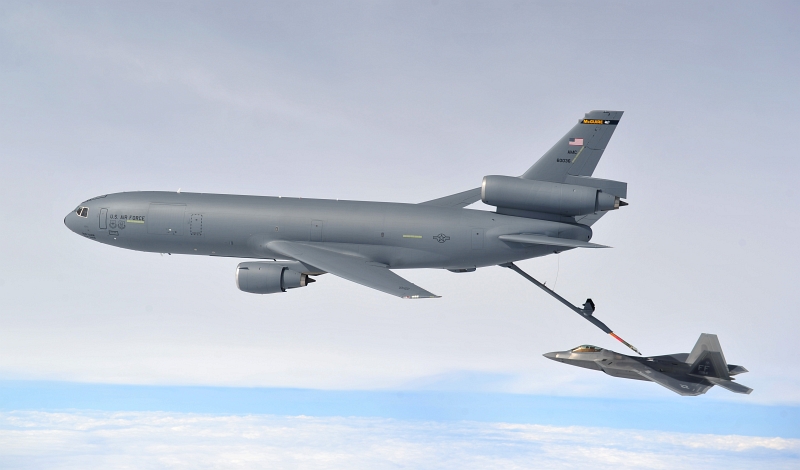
<point x="71" y="222"/>
<point x="76" y="219"/>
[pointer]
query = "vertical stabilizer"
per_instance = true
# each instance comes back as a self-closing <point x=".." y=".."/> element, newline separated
<point x="579" y="151"/>
<point x="706" y="342"/>
<point x="707" y="359"/>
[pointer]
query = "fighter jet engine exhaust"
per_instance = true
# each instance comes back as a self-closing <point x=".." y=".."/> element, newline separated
<point x="547" y="197"/>
<point x="269" y="278"/>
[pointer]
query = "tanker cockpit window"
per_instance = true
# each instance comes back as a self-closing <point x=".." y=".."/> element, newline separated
<point x="586" y="348"/>
<point x="82" y="211"/>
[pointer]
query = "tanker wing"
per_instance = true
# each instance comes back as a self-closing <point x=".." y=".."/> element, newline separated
<point x="353" y="268"/>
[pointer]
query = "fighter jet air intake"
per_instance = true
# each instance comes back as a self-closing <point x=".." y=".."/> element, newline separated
<point x="548" y="209"/>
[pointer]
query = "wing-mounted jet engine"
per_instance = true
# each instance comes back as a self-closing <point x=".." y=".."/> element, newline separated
<point x="271" y="277"/>
<point x="685" y="374"/>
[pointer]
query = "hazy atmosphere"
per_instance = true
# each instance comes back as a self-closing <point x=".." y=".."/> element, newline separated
<point x="403" y="102"/>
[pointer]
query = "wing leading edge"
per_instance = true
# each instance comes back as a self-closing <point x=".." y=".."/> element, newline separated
<point x="353" y="268"/>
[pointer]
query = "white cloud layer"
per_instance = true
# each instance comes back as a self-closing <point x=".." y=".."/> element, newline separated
<point x="145" y="440"/>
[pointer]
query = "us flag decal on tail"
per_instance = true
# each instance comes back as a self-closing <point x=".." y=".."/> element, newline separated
<point x="575" y="141"/>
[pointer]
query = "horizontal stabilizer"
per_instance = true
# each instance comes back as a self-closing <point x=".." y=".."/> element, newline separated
<point x="590" y="219"/>
<point x="735" y="370"/>
<point x="545" y="240"/>
<point x="729" y="385"/>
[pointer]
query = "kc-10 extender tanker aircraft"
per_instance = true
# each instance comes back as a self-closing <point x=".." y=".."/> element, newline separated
<point x="549" y="209"/>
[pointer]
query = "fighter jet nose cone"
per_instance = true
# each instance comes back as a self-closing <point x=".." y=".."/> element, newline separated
<point x="550" y="355"/>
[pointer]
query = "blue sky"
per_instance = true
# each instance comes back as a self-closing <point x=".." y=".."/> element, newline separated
<point x="400" y="101"/>
<point x="667" y="414"/>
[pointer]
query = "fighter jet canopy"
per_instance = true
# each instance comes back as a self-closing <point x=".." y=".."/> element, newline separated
<point x="586" y="348"/>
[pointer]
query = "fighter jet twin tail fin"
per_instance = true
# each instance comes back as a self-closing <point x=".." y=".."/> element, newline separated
<point x="708" y="361"/>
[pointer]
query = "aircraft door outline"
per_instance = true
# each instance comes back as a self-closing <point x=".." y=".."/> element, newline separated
<point x="196" y="224"/>
<point x="103" y="216"/>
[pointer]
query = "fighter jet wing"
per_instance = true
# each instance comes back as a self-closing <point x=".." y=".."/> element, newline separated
<point x="678" y="386"/>
<point x="458" y="200"/>
<point x="353" y="268"/>
<point x="545" y="240"/>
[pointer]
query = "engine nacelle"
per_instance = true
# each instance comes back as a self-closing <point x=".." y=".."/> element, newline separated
<point x="544" y="196"/>
<point x="270" y="277"/>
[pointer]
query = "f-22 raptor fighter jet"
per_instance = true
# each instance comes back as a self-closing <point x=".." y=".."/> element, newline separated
<point x="685" y="374"/>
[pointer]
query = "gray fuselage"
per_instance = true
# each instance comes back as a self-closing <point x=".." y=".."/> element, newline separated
<point x="621" y="365"/>
<point x="394" y="234"/>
